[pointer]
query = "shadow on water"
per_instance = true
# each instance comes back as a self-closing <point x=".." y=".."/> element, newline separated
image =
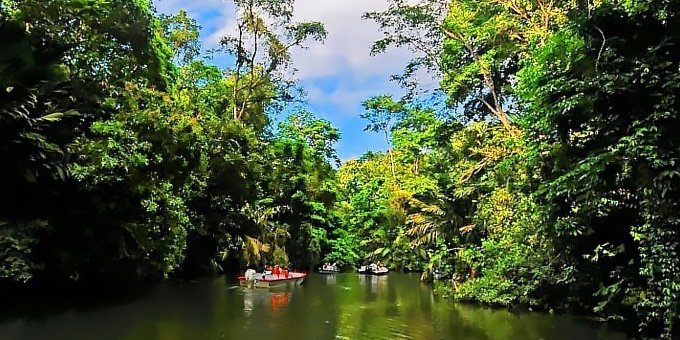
<point x="41" y="304"/>
<point x="337" y="306"/>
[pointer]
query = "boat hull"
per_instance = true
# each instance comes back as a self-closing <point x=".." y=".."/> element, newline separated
<point x="272" y="281"/>
<point x="370" y="272"/>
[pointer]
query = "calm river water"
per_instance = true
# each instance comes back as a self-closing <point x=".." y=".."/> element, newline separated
<point x="342" y="306"/>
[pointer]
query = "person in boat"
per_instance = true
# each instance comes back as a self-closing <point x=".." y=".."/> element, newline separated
<point x="364" y="266"/>
<point x="263" y="270"/>
<point x="276" y="271"/>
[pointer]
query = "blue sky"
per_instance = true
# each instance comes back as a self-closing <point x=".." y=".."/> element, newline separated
<point x="337" y="75"/>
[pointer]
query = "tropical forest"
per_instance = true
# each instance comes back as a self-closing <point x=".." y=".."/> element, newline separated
<point x="527" y="164"/>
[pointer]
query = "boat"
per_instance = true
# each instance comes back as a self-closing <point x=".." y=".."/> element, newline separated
<point x="251" y="279"/>
<point x="373" y="269"/>
<point x="329" y="269"/>
<point x="440" y="275"/>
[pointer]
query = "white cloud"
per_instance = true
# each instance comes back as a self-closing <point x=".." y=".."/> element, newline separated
<point x="345" y="57"/>
<point x="349" y="41"/>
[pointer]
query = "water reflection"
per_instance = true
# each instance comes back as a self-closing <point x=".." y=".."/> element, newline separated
<point x="373" y="284"/>
<point x="339" y="306"/>
<point x="268" y="299"/>
<point x="328" y="279"/>
<point x="279" y="300"/>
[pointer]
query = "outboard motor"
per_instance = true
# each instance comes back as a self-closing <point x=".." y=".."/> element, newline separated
<point x="250" y="274"/>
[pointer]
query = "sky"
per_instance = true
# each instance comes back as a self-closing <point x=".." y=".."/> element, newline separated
<point x="337" y="75"/>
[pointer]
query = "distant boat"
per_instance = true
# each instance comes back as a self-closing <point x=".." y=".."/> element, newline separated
<point x="260" y="280"/>
<point x="373" y="270"/>
<point x="440" y="275"/>
<point x="329" y="269"/>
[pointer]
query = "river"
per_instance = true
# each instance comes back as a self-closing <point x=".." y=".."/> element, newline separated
<point x="341" y="306"/>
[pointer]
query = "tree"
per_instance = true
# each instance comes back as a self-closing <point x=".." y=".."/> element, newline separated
<point x="319" y="134"/>
<point x="261" y="46"/>
<point x="414" y="135"/>
<point x="62" y="65"/>
<point x="416" y="26"/>
<point x="302" y="184"/>
<point x="183" y="33"/>
<point x="600" y="110"/>
<point x="382" y="112"/>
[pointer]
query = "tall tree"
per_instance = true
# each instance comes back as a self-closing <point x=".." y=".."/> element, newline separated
<point x="382" y="112"/>
<point x="265" y="34"/>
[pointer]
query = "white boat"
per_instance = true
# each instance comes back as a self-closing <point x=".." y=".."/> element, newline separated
<point x="329" y="269"/>
<point x="373" y="269"/>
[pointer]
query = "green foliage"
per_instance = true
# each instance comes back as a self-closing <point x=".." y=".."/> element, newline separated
<point x="556" y="186"/>
<point x="130" y="155"/>
<point x="513" y="260"/>
<point x="303" y="181"/>
<point x="378" y="190"/>
<point x="63" y="63"/>
<point x="414" y="25"/>
<point x="604" y="124"/>
<point x="137" y="165"/>
<point x="381" y="113"/>
<point x="16" y="261"/>
<point x="32" y="106"/>
<point x="318" y="134"/>
<point x="572" y="204"/>
<point x="344" y="247"/>
<point x="183" y="33"/>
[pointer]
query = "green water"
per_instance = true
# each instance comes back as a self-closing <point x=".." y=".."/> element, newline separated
<point x="343" y="306"/>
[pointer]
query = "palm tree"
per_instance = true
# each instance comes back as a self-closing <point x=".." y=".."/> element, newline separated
<point x="435" y="227"/>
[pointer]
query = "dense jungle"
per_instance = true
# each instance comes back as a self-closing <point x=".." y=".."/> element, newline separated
<point x="543" y="171"/>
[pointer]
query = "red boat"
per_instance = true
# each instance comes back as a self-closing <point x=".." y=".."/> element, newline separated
<point x="260" y="280"/>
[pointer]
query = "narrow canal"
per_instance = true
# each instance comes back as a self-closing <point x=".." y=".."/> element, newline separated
<point x="343" y="306"/>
